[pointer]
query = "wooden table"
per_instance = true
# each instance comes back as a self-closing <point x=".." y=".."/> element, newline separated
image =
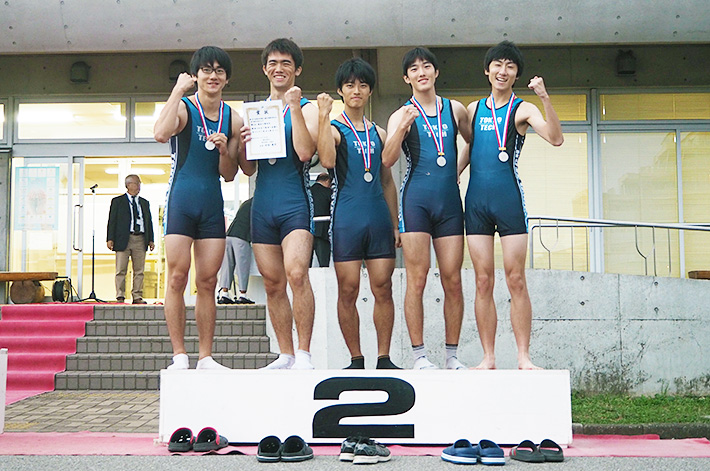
<point x="26" y="287"/>
<point x="699" y="274"/>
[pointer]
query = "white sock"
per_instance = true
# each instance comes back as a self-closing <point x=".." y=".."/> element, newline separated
<point x="423" y="363"/>
<point x="283" y="362"/>
<point x="180" y="362"/>
<point x="452" y="361"/>
<point x="209" y="363"/>
<point x="303" y="361"/>
<point x="418" y="352"/>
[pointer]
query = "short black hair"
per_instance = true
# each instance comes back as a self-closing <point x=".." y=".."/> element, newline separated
<point x="323" y="177"/>
<point x="355" y="69"/>
<point x="207" y="56"/>
<point x="422" y="53"/>
<point x="284" y="46"/>
<point x="505" y="50"/>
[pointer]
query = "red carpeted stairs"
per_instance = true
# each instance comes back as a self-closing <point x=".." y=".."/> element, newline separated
<point x="38" y="338"/>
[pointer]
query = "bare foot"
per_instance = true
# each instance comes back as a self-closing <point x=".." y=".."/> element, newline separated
<point x="526" y="364"/>
<point x="486" y="364"/>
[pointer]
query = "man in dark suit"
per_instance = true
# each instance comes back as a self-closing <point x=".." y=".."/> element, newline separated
<point x="130" y="234"/>
<point x="321" y="207"/>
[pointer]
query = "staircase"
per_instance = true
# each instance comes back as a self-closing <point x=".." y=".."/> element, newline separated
<point x="126" y="346"/>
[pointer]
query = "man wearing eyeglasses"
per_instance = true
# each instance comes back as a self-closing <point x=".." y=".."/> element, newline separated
<point x="130" y="234"/>
<point x="205" y="144"/>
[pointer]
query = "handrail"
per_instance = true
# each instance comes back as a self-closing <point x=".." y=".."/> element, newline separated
<point x="588" y="223"/>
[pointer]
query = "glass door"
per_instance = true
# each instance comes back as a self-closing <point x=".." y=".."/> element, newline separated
<point x="47" y="213"/>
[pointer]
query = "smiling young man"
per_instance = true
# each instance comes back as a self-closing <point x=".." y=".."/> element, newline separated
<point x="364" y="208"/>
<point x="425" y="128"/>
<point x="494" y="198"/>
<point x="282" y="215"/>
<point x="205" y="143"/>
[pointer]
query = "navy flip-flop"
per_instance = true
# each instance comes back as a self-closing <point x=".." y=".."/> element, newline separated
<point x="551" y="451"/>
<point x="208" y="440"/>
<point x="490" y="453"/>
<point x="528" y="452"/>
<point x="181" y="440"/>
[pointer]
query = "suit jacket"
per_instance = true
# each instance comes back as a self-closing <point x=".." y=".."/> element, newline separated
<point x="119" y="222"/>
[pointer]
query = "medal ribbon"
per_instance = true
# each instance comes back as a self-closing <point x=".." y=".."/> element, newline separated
<point x="501" y="141"/>
<point x="440" y="142"/>
<point x="286" y="108"/>
<point x="366" y="158"/>
<point x="202" y="116"/>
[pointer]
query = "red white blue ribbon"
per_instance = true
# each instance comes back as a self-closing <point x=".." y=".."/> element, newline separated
<point x="439" y="143"/>
<point x="502" y="139"/>
<point x="202" y="116"/>
<point x="366" y="158"/>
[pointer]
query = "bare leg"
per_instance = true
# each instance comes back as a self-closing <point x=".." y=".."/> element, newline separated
<point x="480" y="248"/>
<point x="380" y="271"/>
<point x="449" y="254"/>
<point x="348" y="274"/>
<point x="269" y="260"/>
<point x="297" y="250"/>
<point x="208" y="258"/>
<point x="514" y="250"/>
<point x="177" y="254"/>
<point x="416" y="261"/>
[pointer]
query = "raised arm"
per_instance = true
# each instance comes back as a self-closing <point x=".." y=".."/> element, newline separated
<point x="304" y="124"/>
<point x="528" y="114"/>
<point x="390" y="192"/>
<point x="173" y="116"/>
<point x="397" y="131"/>
<point x="328" y="137"/>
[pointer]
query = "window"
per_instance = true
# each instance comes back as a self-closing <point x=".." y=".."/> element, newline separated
<point x="655" y="106"/>
<point x="71" y="121"/>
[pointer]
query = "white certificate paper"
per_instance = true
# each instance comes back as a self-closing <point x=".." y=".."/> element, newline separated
<point x="268" y="132"/>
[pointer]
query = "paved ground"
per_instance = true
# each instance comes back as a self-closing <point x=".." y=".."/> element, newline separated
<point x="85" y="411"/>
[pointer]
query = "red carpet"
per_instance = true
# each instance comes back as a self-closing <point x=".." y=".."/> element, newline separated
<point x="87" y="443"/>
<point x="38" y="338"/>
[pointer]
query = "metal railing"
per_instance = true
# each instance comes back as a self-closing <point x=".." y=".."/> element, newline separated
<point x="537" y="223"/>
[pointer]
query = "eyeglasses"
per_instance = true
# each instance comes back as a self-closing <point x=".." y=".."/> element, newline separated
<point x="208" y="70"/>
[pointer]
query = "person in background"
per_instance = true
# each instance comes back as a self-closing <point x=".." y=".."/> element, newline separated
<point x="321" y="207"/>
<point x="130" y="235"/>
<point x="237" y="254"/>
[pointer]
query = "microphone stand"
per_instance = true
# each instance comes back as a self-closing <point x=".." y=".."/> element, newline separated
<point x="92" y="296"/>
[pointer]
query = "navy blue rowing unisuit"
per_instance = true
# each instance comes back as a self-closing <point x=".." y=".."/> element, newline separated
<point x="494" y="198"/>
<point x="361" y="227"/>
<point x="282" y="196"/>
<point x="429" y="196"/>
<point x="194" y="206"/>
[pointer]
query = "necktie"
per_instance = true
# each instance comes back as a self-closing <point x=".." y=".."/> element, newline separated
<point x="134" y="205"/>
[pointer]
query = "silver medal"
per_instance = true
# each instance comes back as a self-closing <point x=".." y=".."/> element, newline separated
<point x="441" y="161"/>
<point x="503" y="156"/>
<point x="209" y="145"/>
<point x="272" y="161"/>
<point x="367" y="177"/>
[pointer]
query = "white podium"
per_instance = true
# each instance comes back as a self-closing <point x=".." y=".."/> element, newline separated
<point x="392" y="406"/>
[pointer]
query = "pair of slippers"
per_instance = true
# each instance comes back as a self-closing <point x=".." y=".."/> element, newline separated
<point x="271" y="449"/>
<point x="463" y="452"/>
<point x="182" y="440"/>
<point x="527" y="451"/>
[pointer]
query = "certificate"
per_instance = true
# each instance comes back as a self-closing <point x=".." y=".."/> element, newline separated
<point x="268" y="133"/>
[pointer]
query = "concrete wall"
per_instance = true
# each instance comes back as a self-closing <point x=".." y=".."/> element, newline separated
<point x="615" y="333"/>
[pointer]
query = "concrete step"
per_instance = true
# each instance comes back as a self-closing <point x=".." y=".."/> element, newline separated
<point x="116" y="362"/>
<point x="155" y="312"/>
<point x="161" y="344"/>
<point x="108" y="380"/>
<point x="158" y="328"/>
